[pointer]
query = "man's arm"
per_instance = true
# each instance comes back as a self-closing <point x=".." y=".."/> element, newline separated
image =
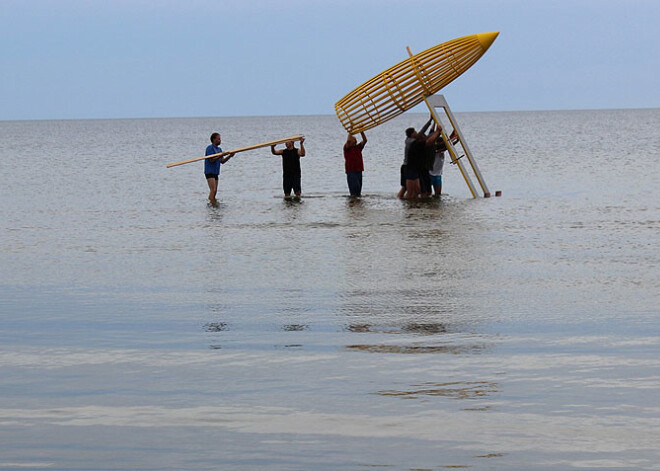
<point x="275" y="152"/>
<point x="431" y="139"/>
<point x="364" y="138"/>
<point x="426" y="126"/>
<point x="301" y="151"/>
<point x="226" y="158"/>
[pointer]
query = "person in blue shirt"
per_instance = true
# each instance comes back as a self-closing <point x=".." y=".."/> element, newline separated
<point x="212" y="166"/>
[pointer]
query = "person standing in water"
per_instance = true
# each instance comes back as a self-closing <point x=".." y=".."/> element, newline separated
<point x="417" y="163"/>
<point x="354" y="164"/>
<point x="439" y="162"/>
<point x="212" y="166"/>
<point x="290" y="166"/>
<point x="411" y="135"/>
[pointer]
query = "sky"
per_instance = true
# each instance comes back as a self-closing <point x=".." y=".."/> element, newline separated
<point x="79" y="59"/>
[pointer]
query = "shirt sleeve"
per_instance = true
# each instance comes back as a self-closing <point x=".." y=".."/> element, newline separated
<point x="210" y="150"/>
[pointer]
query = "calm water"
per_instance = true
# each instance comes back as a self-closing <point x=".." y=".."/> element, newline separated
<point x="143" y="329"/>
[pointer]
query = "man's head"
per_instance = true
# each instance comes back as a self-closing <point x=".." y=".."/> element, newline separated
<point x="289" y="144"/>
<point x="410" y="132"/>
<point x="216" y="139"/>
<point x="350" y="140"/>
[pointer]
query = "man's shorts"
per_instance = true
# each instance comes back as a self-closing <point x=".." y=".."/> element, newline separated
<point x="291" y="182"/>
<point x="411" y="173"/>
<point x="211" y="175"/>
<point x="425" y="181"/>
<point x="436" y="180"/>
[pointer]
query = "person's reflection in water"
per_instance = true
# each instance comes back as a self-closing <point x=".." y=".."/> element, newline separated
<point x="216" y="212"/>
<point x="295" y="327"/>
<point x="355" y="203"/>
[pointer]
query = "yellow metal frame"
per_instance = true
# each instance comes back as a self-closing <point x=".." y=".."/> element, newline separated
<point x="405" y="85"/>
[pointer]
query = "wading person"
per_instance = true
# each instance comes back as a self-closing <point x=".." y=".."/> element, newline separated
<point x="290" y="166"/>
<point x="439" y="162"/>
<point x="354" y="164"/>
<point x="411" y="135"/>
<point x="417" y="162"/>
<point x="212" y="166"/>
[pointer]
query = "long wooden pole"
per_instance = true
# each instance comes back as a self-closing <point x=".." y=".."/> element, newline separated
<point x="297" y="137"/>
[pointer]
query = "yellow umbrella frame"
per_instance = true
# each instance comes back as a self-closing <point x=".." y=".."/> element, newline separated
<point x="405" y="85"/>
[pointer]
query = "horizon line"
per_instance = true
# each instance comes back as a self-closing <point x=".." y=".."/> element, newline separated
<point x="550" y="110"/>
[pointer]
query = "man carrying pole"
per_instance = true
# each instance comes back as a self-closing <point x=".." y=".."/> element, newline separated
<point x="212" y="166"/>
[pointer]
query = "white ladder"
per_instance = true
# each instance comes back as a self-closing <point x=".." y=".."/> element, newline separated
<point x="434" y="102"/>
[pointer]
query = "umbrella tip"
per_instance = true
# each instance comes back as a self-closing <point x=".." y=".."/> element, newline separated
<point x="486" y="39"/>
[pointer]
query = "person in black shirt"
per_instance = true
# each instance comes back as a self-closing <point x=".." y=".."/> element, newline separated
<point x="411" y="135"/>
<point x="290" y="166"/>
<point x="417" y="154"/>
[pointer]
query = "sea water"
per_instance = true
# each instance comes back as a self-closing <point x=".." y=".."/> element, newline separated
<point x="144" y="329"/>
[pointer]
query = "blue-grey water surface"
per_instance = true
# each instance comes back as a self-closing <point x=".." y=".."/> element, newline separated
<point x="143" y="329"/>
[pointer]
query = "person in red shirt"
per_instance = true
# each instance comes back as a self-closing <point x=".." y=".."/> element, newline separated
<point x="354" y="163"/>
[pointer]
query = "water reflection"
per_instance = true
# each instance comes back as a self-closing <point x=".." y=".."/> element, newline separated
<point x="452" y="390"/>
<point x="295" y="327"/>
<point x="430" y="328"/>
<point x="292" y="208"/>
<point x="359" y="328"/>
<point x="216" y="211"/>
<point x="423" y="204"/>
<point x="436" y="335"/>
<point x="407" y="268"/>
<point x="292" y="201"/>
<point x="355" y="204"/>
<point x="419" y="349"/>
<point x="425" y="329"/>
<point x="561" y="274"/>
<point x="216" y="327"/>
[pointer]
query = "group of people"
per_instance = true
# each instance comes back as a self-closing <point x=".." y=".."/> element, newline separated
<point x="290" y="166"/>
<point x="421" y="172"/>
<point x="423" y="161"/>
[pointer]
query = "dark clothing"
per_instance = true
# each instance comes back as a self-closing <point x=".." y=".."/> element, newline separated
<point x="416" y="155"/>
<point x="429" y="157"/>
<point x="425" y="181"/>
<point x="290" y="163"/>
<point x="410" y="173"/>
<point x="291" y="182"/>
<point x="291" y="171"/>
<point x="354" y="180"/>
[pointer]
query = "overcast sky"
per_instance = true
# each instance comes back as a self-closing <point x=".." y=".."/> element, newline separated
<point x="64" y="59"/>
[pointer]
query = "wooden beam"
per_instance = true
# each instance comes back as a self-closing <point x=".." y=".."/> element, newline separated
<point x="297" y="137"/>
